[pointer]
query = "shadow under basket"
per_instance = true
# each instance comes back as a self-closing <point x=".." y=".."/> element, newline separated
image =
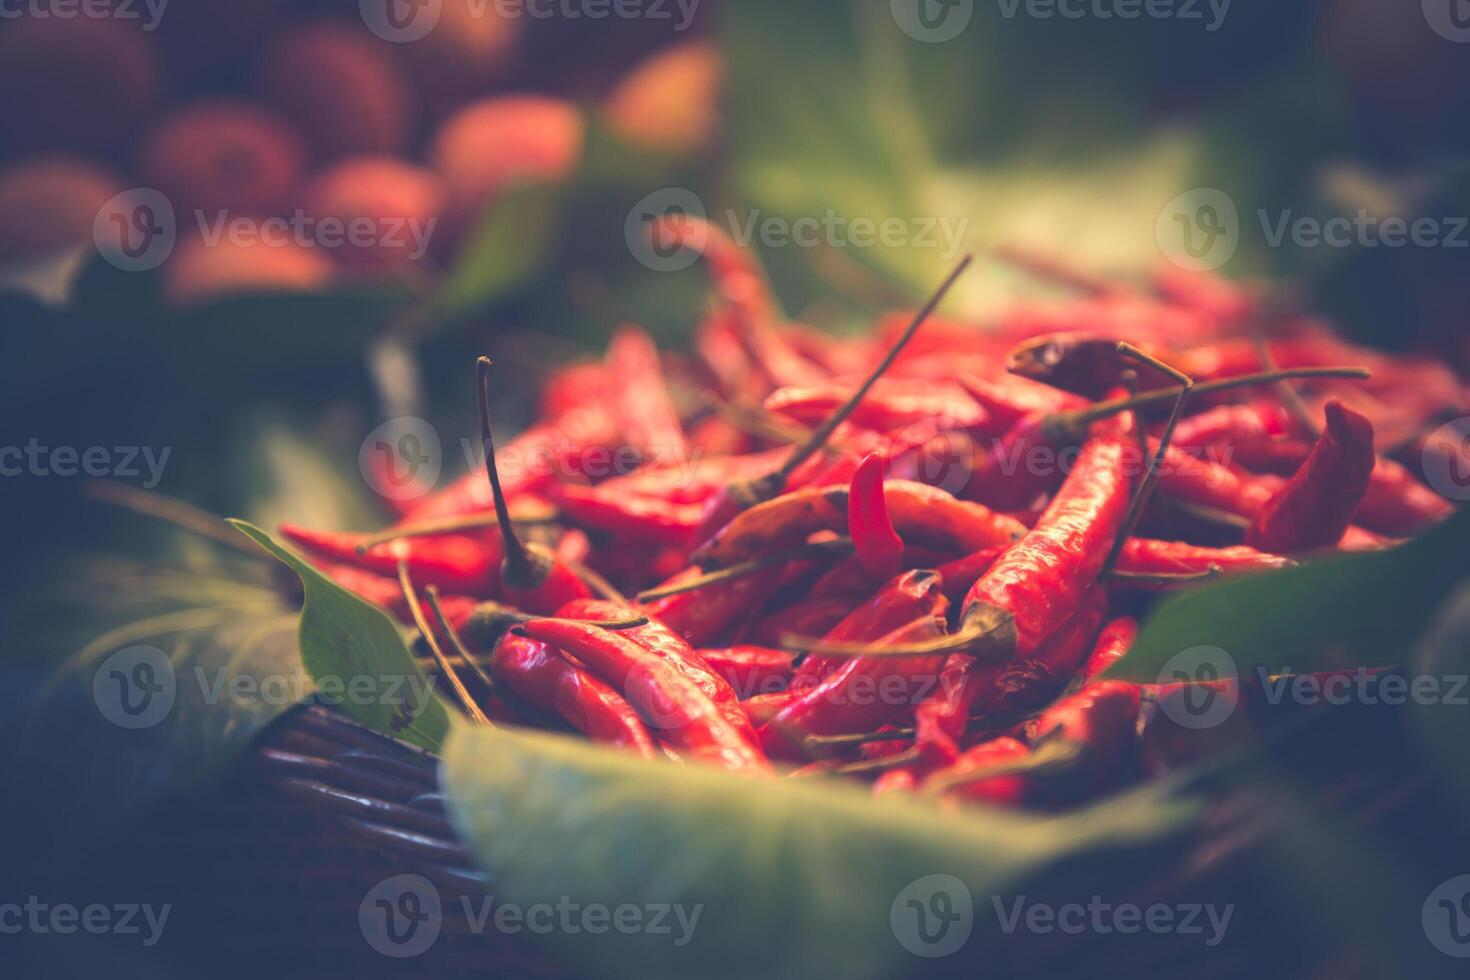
<point x="272" y="871"/>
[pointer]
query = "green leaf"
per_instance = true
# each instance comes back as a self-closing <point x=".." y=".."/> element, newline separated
<point x="220" y="643"/>
<point x="356" y="656"/>
<point x="787" y="878"/>
<point x="1358" y="610"/>
<point x="509" y="243"/>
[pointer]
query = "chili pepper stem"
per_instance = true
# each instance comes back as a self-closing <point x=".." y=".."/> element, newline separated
<point x="1289" y="394"/>
<point x="431" y="593"/>
<point x="522" y="568"/>
<point x="819" y="436"/>
<point x="985" y="631"/>
<point x="1164" y="578"/>
<point x="456" y="683"/>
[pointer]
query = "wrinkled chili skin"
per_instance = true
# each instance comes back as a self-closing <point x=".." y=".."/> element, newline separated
<point x="668" y="644"/>
<point x="545" y="679"/>
<point x="1115" y="640"/>
<point x="672" y="704"/>
<point x="1315" y="507"/>
<point x="860" y="695"/>
<point x="617" y="512"/>
<point x="1038" y="581"/>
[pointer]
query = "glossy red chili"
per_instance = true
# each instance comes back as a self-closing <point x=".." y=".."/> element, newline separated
<point x="877" y="546"/>
<point x="1316" y="505"/>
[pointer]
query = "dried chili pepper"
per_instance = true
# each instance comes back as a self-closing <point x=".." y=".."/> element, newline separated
<point x="1316" y="505"/>
<point x="613" y="510"/>
<point x="878" y="548"/>
<point x="457" y="563"/>
<point x="672" y="705"/>
<point x="751" y="670"/>
<point x="909" y="597"/>
<point x="1112" y="644"/>
<point x="889" y="404"/>
<point x="965" y="777"/>
<point x="546" y="680"/>
<point x="1146" y="556"/>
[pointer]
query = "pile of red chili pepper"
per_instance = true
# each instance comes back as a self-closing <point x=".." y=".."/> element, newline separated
<point x="906" y="557"/>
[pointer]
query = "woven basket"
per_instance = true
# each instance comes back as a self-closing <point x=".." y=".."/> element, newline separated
<point x="323" y="810"/>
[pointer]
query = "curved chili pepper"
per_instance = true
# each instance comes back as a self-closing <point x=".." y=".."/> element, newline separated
<point x="457" y="563"/>
<point x="531" y="575"/>
<point x="672" y="704"/>
<point x="889" y="404"/>
<point x="543" y="678"/>
<point x="1115" y="640"/>
<point x="960" y="574"/>
<point x="761" y="708"/>
<point x="702" y="617"/>
<point x="921" y="514"/>
<point x="1020" y="467"/>
<point x="858" y="695"/>
<point x="646" y="413"/>
<point x="750" y="670"/>
<point x="1001" y="790"/>
<point x="807" y="617"/>
<point x="909" y="597"/>
<point x="1316" y="505"/>
<point x="1099" y="722"/>
<point x="1397" y="503"/>
<point x="1010" y="398"/>
<point x="1083" y="363"/>
<point x="610" y="509"/>
<point x="387" y="594"/>
<point x="878" y="548"/>
<point x="1147" y="556"/>
<point x="1200" y="481"/>
<point x="660" y="639"/>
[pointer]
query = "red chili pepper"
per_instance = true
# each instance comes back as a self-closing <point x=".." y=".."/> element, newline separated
<point x="1115" y="640"/>
<point x="889" y="404"/>
<point x="909" y="597"/>
<point x="1397" y="503"/>
<point x="1316" y="505"/>
<point x="1011" y="398"/>
<point x="1020" y="466"/>
<point x="895" y="781"/>
<point x="646" y="519"/>
<point x="649" y="422"/>
<point x="672" y="704"/>
<point x="960" y="574"/>
<point x="1098" y="721"/>
<point x="878" y="548"/>
<point x="763" y="707"/>
<point x="1000" y="790"/>
<point x="1146" y="556"/>
<point x="1200" y="481"/>
<point x="530" y="574"/>
<point x="923" y="515"/>
<point x="704" y="616"/>
<point x="386" y="593"/>
<point x="750" y="670"/>
<point x="859" y="695"/>
<point x="1026" y="683"/>
<point x="716" y="435"/>
<point x="543" y="677"/>
<point x="456" y="563"/>
<point x="807" y="617"/>
<point x="660" y="639"/>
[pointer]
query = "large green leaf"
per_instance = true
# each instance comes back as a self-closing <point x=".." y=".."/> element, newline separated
<point x="787" y="878"/>
<point x="1358" y="610"/>
<point x="356" y="656"/>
